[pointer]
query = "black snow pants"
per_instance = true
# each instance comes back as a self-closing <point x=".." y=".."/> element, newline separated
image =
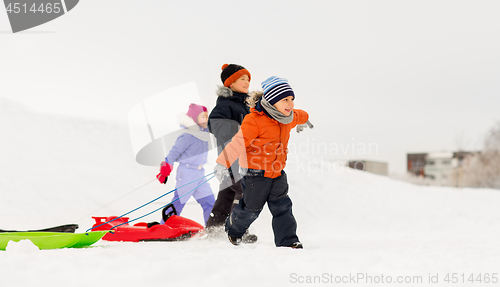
<point x="257" y="190"/>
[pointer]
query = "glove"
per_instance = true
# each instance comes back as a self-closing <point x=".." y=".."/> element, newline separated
<point x="165" y="170"/>
<point x="302" y="127"/>
<point x="221" y="172"/>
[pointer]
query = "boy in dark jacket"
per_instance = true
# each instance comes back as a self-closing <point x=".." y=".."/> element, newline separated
<point x="224" y="122"/>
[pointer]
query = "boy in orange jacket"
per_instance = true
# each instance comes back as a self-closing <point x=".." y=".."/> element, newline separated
<point x="261" y="146"/>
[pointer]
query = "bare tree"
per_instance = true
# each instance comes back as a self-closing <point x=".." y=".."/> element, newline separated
<point x="483" y="169"/>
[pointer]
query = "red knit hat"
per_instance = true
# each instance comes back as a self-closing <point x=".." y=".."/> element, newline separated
<point x="232" y="72"/>
<point x="195" y="110"/>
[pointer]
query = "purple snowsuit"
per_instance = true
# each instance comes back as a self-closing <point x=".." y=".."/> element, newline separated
<point x="191" y="154"/>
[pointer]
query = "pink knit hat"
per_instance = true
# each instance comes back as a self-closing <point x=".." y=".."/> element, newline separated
<point x="195" y="110"/>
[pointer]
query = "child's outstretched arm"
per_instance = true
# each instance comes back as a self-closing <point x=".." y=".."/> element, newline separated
<point x="300" y="117"/>
<point x="237" y="147"/>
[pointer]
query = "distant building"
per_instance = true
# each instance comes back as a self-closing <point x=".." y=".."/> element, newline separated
<point x="380" y="168"/>
<point x="416" y="163"/>
<point x="439" y="165"/>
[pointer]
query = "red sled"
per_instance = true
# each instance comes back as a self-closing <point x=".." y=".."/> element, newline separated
<point x="175" y="228"/>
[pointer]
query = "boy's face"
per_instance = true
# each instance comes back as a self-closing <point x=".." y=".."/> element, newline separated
<point x="241" y="85"/>
<point x="203" y="120"/>
<point x="285" y="105"/>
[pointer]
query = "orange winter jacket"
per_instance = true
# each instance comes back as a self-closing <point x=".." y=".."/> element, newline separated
<point x="261" y="143"/>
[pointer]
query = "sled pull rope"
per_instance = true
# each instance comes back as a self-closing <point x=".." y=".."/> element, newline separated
<point x="151" y="201"/>
<point x="162" y="206"/>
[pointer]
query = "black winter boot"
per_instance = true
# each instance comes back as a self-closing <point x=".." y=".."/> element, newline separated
<point x="234" y="240"/>
<point x="296" y="245"/>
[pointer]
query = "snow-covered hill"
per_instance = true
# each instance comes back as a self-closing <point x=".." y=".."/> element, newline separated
<point x="57" y="170"/>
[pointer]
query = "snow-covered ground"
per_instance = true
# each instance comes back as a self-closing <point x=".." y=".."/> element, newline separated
<point x="353" y="225"/>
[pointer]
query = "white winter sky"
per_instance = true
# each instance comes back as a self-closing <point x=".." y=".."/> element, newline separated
<point x="406" y="76"/>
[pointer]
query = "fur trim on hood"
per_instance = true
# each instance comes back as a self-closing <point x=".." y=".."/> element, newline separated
<point x="190" y="127"/>
<point x="224" y="92"/>
<point x="253" y="98"/>
<point x="187" y="122"/>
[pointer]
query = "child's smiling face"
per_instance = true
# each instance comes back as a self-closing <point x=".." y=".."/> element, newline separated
<point x="285" y="105"/>
<point x="241" y="85"/>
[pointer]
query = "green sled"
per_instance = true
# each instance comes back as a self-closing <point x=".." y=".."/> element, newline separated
<point x="53" y="240"/>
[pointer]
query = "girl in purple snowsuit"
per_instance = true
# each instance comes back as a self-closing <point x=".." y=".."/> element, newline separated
<point x="190" y="151"/>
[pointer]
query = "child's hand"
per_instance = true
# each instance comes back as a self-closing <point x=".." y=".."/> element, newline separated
<point x="302" y="127"/>
<point x="221" y="172"/>
<point x="165" y="170"/>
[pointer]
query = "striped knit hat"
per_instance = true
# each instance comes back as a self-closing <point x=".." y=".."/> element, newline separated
<point x="232" y="72"/>
<point x="276" y="89"/>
